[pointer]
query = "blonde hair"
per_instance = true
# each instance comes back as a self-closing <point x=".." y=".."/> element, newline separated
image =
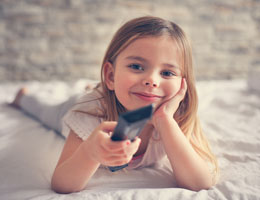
<point x="186" y="115"/>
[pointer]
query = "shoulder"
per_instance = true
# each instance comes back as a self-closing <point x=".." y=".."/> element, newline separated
<point x="85" y="115"/>
<point x="88" y="100"/>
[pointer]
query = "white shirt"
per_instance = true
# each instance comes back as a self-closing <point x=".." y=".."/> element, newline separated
<point x="83" y="124"/>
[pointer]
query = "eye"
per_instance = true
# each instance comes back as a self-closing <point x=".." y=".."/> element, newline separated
<point x="168" y="73"/>
<point x="136" y="67"/>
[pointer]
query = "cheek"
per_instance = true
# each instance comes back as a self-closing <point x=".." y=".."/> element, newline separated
<point x="124" y="80"/>
<point x="123" y="83"/>
<point x="173" y="87"/>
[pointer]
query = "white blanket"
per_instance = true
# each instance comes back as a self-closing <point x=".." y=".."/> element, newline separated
<point x="230" y="115"/>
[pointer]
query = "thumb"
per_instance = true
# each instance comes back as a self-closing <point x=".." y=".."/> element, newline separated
<point x="108" y="126"/>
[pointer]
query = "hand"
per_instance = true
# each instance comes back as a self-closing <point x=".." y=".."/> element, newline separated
<point x="170" y="106"/>
<point x="103" y="150"/>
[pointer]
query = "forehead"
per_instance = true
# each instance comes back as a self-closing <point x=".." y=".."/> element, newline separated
<point x="162" y="48"/>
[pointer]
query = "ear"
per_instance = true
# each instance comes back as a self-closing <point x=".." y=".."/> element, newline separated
<point x="109" y="75"/>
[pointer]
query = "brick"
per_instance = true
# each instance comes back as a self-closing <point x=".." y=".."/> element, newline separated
<point x="66" y="39"/>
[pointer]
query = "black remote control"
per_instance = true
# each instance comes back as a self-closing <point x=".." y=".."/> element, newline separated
<point x="129" y="126"/>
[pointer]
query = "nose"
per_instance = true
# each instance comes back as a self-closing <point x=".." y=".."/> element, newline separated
<point x="151" y="82"/>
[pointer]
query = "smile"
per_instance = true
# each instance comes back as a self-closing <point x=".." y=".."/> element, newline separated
<point x="147" y="96"/>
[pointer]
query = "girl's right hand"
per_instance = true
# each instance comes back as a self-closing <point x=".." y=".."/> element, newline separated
<point x="100" y="148"/>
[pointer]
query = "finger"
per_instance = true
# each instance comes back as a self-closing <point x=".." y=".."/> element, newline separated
<point x="106" y="157"/>
<point x="134" y="146"/>
<point x="136" y="142"/>
<point x="114" y="146"/>
<point x="172" y="100"/>
<point x="118" y="162"/>
<point x="131" y="149"/>
<point x="115" y="160"/>
<point x="108" y="126"/>
<point x="181" y="93"/>
<point x="173" y="103"/>
<point x="183" y="88"/>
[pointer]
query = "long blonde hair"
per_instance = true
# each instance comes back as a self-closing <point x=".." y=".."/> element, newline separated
<point x="186" y="115"/>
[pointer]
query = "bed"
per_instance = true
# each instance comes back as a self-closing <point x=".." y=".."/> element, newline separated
<point x="230" y="116"/>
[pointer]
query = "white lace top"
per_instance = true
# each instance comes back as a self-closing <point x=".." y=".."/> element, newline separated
<point x="83" y="124"/>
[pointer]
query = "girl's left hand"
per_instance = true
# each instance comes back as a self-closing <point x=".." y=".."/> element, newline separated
<point x="170" y="106"/>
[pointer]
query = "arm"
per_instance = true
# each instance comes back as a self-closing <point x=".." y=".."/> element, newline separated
<point x="74" y="169"/>
<point x="80" y="159"/>
<point x="190" y="170"/>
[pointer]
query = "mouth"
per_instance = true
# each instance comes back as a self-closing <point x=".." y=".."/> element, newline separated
<point x="147" y="96"/>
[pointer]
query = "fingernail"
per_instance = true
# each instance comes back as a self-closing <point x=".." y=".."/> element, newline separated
<point x="128" y="142"/>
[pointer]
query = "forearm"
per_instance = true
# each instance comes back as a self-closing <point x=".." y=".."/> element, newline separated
<point x="190" y="170"/>
<point x="73" y="174"/>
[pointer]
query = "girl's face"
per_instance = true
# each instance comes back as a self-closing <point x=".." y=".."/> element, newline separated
<point x="147" y="71"/>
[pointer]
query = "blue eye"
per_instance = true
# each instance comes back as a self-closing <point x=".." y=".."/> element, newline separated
<point x="168" y="73"/>
<point x="136" y="67"/>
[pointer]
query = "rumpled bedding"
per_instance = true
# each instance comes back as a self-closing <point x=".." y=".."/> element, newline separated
<point x="230" y="115"/>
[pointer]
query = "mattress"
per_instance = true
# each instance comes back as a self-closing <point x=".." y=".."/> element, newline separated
<point x="230" y="116"/>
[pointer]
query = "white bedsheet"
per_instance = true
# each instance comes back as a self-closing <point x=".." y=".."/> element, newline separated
<point x="230" y="115"/>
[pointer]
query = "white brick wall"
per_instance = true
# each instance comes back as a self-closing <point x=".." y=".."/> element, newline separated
<point x="66" y="39"/>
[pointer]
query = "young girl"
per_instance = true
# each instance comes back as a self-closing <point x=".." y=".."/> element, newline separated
<point x="149" y="60"/>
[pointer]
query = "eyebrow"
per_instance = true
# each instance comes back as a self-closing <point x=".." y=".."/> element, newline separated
<point x="139" y="58"/>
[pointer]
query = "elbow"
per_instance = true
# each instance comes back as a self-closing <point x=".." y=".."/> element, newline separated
<point x="63" y="190"/>
<point x="196" y="186"/>
<point x="203" y="184"/>
<point x="59" y="186"/>
<point x="59" y="190"/>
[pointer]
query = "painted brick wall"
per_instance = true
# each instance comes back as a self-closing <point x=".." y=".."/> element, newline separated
<point x="66" y="39"/>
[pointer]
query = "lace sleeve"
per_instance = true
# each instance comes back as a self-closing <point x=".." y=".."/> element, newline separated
<point x="81" y="123"/>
